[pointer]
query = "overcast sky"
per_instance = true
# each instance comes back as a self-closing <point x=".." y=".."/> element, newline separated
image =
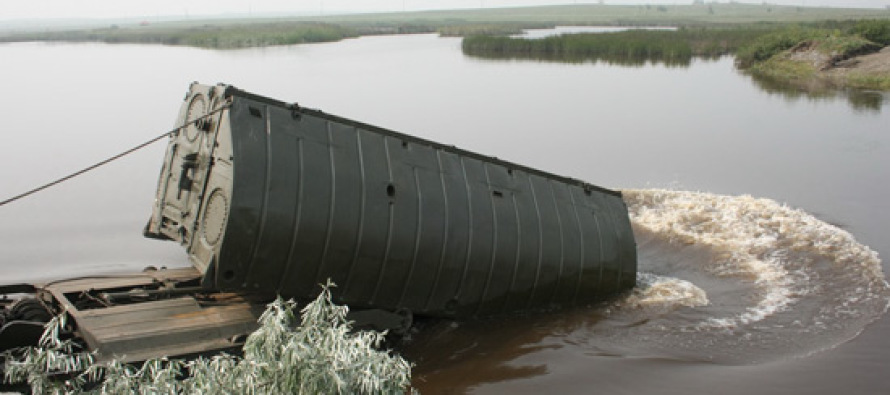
<point x="42" y="9"/>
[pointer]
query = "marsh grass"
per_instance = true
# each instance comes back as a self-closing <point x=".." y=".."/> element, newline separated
<point x="869" y="81"/>
<point x="783" y="69"/>
<point x="630" y="47"/>
<point x="752" y="44"/>
<point x="210" y="35"/>
<point x="320" y="354"/>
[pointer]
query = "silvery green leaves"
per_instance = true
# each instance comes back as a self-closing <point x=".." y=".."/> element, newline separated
<point x="52" y="367"/>
<point x="320" y="356"/>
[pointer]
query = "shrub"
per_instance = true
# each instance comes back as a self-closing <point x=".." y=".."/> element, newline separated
<point x="877" y="31"/>
<point x="320" y="356"/>
<point x="768" y="45"/>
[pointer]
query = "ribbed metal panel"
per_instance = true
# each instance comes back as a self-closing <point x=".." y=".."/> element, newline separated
<point x="403" y="223"/>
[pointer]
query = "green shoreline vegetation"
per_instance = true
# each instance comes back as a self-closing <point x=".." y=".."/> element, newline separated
<point x="209" y="35"/>
<point x="802" y="56"/>
<point x="808" y="57"/>
<point x="246" y="32"/>
<point x="766" y="39"/>
<point x="630" y="47"/>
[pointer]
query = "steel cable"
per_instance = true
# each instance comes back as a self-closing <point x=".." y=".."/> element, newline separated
<point x="111" y="159"/>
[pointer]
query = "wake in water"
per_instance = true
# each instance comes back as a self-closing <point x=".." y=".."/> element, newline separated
<point x="723" y="279"/>
<point x="737" y="280"/>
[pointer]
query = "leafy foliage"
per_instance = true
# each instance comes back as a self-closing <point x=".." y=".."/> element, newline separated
<point x="44" y="367"/>
<point x="877" y="31"/>
<point x="320" y="356"/>
<point x="768" y="45"/>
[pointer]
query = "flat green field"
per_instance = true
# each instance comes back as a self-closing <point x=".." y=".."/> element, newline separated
<point x="622" y="15"/>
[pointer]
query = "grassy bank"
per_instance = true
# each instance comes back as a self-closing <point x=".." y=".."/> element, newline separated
<point x="844" y="40"/>
<point x="807" y="72"/>
<point x="229" y="35"/>
<point x="809" y="56"/>
<point x="820" y="58"/>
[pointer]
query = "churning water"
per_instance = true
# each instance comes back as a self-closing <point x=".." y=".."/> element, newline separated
<point x="737" y="279"/>
<point x="728" y="280"/>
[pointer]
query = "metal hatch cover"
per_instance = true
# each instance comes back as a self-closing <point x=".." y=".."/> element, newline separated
<point x="186" y="173"/>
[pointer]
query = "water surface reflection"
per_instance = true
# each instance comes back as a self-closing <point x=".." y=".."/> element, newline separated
<point x="542" y="45"/>
<point x="866" y="101"/>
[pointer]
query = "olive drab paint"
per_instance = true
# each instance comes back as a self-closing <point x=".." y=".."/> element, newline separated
<point x="273" y="198"/>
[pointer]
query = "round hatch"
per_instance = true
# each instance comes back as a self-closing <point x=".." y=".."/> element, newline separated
<point x="197" y="108"/>
<point x="215" y="216"/>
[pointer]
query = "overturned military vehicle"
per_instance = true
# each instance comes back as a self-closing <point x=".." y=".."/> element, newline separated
<point x="270" y="198"/>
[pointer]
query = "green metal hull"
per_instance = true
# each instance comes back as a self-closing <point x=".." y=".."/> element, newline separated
<point x="270" y="198"/>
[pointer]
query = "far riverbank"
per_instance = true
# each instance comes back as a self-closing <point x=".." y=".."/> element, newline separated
<point x="758" y="35"/>
<point x="817" y="56"/>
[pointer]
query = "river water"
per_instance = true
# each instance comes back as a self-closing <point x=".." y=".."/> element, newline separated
<point x="760" y="215"/>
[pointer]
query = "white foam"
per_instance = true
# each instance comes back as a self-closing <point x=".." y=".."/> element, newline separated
<point x="664" y="292"/>
<point x="755" y="240"/>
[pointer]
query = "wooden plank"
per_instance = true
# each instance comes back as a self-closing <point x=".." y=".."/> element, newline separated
<point x="167" y="327"/>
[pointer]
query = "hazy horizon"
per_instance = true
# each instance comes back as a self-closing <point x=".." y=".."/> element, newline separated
<point x="116" y="9"/>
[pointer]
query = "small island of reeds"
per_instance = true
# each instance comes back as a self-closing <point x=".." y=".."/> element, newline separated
<point x="814" y="56"/>
<point x="629" y="47"/>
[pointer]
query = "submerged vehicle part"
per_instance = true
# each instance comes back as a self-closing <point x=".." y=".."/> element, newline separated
<point x="272" y="198"/>
<point x="133" y="317"/>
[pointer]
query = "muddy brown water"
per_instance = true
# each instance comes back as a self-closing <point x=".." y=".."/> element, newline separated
<point x="761" y="216"/>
